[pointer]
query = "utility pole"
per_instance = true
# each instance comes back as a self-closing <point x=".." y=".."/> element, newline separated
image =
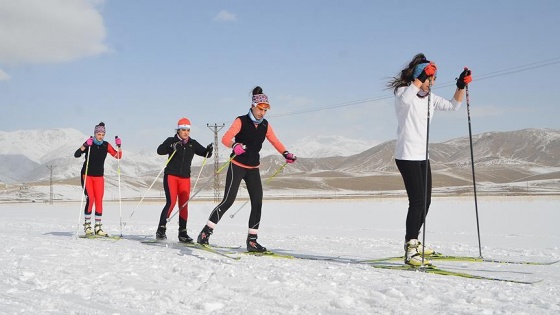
<point x="215" y="128"/>
<point x="51" y="197"/>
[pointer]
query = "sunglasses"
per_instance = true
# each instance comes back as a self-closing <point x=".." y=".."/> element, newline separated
<point x="263" y="106"/>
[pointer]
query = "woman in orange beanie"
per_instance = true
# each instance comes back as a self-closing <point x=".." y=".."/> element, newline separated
<point x="181" y="149"/>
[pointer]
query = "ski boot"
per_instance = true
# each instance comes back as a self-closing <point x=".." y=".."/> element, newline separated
<point x="253" y="246"/>
<point x="160" y="233"/>
<point x="87" y="228"/>
<point x="411" y="255"/>
<point x="427" y="250"/>
<point x="204" y="235"/>
<point x="183" y="237"/>
<point x="99" y="231"/>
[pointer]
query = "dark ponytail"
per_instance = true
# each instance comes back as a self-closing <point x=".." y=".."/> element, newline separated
<point x="257" y="90"/>
<point x="405" y="76"/>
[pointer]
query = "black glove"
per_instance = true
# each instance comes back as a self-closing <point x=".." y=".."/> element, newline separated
<point x="464" y="78"/>
<point x="290" y="158"/>
<point x="209" y="150"/>
<point x="429" y="70"/>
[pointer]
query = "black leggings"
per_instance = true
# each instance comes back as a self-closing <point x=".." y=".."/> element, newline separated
<point x="253" y="182"/>
<point x="414" y="177"/>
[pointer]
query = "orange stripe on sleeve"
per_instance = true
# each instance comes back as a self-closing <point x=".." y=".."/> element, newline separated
<point x="271" y="136"/>
<point x="228" y="137"/>
<point x="116" y="154"/>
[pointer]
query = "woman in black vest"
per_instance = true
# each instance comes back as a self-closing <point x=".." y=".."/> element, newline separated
<point x="246" y="136"/>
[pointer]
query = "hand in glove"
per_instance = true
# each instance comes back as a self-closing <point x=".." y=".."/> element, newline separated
<point x="88" y="143"/>
<point x="290" y="158"/>
<point x="429" y="70"/>
<point x="464" y="78"/>
<point x="209" y="150"/>
<point x="118" y="141"/>
<point x="238" y="148"/>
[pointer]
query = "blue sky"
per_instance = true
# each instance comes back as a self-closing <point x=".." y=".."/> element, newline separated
<point x="140" y="65"/>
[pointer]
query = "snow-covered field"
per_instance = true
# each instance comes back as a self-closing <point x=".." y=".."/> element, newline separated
<point x="45" y="269"/>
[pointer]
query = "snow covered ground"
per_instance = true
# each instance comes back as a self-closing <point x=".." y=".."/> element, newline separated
<point x="45" y="269"/>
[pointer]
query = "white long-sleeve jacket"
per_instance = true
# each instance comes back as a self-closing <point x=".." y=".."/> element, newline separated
<point x="412" y="117"/>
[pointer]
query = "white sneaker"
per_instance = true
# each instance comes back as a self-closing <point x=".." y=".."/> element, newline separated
<point x="87" y="228"/>
<point x="411" y="255"/>
<point x="99" y="231"/>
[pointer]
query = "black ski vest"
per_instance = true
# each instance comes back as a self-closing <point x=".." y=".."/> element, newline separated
<point x="252" y="137"/>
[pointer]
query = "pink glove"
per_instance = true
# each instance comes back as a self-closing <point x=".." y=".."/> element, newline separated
<point x="290" y="158"/>
<point x="89" y="142"/>
<point x="238" y="148"/>
<point x="118" y="141"/>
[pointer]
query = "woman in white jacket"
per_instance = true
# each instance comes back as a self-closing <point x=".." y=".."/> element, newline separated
<point x="412" y="89"/>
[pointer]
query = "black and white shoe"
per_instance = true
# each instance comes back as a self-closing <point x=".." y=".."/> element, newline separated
<point x="411" y="255"/>
<point x="87" y="228"/>
<point x="99" y="231"/>
<point x="183" y="237"/>
<point x="204" y="235"/>
<point x="160" y="233"/>
<point x="253" y="245"/>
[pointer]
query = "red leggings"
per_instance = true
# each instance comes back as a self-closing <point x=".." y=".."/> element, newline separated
<point x="174" y="187"/>
<point x="95" y="188"/>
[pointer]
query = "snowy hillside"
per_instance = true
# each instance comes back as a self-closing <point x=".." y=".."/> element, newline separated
<point x="323" y="146"/>
<point x="25" y="154"/>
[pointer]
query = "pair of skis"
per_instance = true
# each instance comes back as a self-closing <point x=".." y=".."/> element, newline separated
<point x="218" y="250"/>
<point x="107" y="237"/>
<point x="389" y="263"/>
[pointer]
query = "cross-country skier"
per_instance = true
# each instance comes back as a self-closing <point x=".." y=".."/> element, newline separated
<point x="412" y="89"/>
<point x="92" y="175"/>
<point x="246" y="136"/>
<point x="181" y="149"/>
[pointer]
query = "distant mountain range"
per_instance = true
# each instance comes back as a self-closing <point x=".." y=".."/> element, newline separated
<point x="514" y="161"/>
<point x="505" y="161"/>
<point x="25" y="154"/>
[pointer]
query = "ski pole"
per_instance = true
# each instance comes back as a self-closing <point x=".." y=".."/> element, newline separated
<point x="267" y="181"/>
<point x="473" y="174"/>
<point x="83" y="192"/>
<point x="155" y="179"/>
<point x="425" y="210"/>
<point x="201" y="188"/>
<point x="200" y="171"/>
<point x="119" y="179"/>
